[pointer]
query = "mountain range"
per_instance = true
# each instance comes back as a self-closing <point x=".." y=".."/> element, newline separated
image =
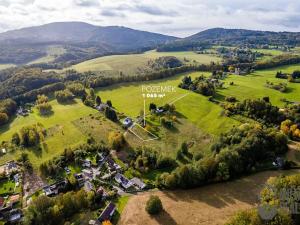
<point x="83" y="41"/>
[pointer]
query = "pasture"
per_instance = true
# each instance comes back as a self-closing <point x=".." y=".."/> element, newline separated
<point x="130" y="64"/>
<point x="253" y="86"/>
<point x="127" y="98"/>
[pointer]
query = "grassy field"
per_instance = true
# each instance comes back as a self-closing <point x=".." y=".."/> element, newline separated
<point x="127" y="98"/>
<point x="61" y="131"/>
<point x="209" y="205"/>
<point x="253" y="86"/>
<point x="129" y="64"/>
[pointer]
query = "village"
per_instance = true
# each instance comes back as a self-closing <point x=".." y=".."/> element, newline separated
<point x="101" y="175"/>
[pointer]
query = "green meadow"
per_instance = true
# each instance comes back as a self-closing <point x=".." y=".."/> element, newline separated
<point x="128" y="98"/>
<point x="253" y="86"/>
<point x="70" y="125"/>
<point x="129" y="64"/>
<point x="61" y="131"/>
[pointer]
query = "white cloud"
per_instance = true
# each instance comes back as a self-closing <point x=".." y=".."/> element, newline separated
<point x="180" y="17"/>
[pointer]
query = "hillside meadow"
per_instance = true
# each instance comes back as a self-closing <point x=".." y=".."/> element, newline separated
<point x="129" y="64"/>
<point x="70" y="125"/>
<point x="61" y="131"/>
<point x="253" y="86"/>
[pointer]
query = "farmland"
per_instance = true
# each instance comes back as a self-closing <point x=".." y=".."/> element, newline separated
<point x="129" y="64"/>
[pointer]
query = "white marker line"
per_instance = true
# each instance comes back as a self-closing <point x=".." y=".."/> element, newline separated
<point x="144" y="112"/>
<point x="146" y="131"/>
<point x="177" y="99"/>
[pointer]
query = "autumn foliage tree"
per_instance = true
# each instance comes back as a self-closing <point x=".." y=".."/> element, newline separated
<point x="291" y="129"/>
<point x="116" y="140"/>
<point x="43" y="105"/>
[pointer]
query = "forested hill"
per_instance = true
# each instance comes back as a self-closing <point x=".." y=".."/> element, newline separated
<point x="233" y="37"/>
<point x="82" y="40"/>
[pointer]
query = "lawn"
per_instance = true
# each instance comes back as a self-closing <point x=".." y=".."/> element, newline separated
<point x="253" y="86"/>
<point x="7" y="187"/>
<point x="129" y="64"/>
<point x="61" y="131"/>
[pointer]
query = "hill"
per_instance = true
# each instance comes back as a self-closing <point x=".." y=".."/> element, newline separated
<point x="81" y="41"/>
<point x="233" y="37"/>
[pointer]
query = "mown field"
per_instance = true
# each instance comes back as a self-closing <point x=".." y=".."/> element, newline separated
<point x="129" y="64"/>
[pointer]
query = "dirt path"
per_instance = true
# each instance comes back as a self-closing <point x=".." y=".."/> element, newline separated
<point x="209" y="205"/>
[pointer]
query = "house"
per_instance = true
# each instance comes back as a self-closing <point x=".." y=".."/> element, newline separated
<point x="11" y="167"/>
<point x="55" y="189"/>
<point x="15" y="215"/>
<point x="138" y="183"/>
<point x="13" y="199"/>
<point x="112" y="166"/>
<point x="159" y="110"/>
<point x="102" y="107"/>
<point x="279" y="163"/>
<point x="127" y="122"/>
<point x="94" y="222"/>
<point x="88" y="174"/>
<point x="22" y="112"/>
<point x="101" y="191"/>
<point x="68" y="171"/>
<point x="79" y="178"/>
<point x="86" y="163"/>
<point x="108" y="212"/>
<point x="123" y="181"/>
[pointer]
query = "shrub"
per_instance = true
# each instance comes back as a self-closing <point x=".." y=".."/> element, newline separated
<point x="154" y="205"/>
<point x="3" y="118"/>
<point x="64" y="96"/>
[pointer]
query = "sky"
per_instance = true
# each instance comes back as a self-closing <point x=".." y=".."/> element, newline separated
<point x="173" y="17"/>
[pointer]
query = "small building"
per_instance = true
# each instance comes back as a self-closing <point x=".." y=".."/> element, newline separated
<point x="15" y="215"/>
<point x="279" y="163"/>
<point x="94" y="222"/>
<point x="86" y="163"/>
<point x="138" y="183"/>
<point x="112" y="165"/>
<point x="123" y="181"/>
<point x="55" y="189"/>
<point x="107" y="213"/>
<point x="11" y="167"/>
<point x="79" y="178"/>
<point x="102" y="107"/>
<point x="13" y="199"/>
<point x="127" y="122"/>
<point x="159" y="110"/>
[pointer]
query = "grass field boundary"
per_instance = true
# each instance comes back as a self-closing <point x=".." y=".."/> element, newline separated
<point x="138" y="136"/>
<point x="177" y="99"/>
